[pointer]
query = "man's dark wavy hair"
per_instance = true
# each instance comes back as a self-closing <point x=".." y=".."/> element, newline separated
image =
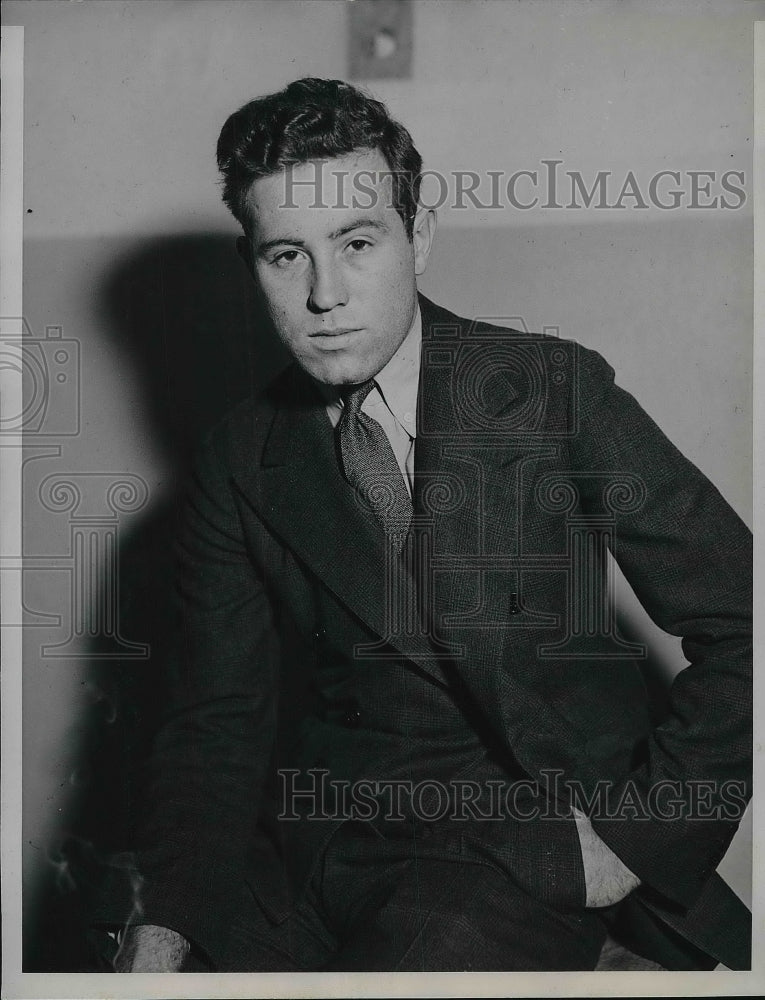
<point x="314" y="119"/>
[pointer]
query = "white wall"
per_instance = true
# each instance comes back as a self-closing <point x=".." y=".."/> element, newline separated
<point x="125" y="99"/>
<point x="123" y="105"/>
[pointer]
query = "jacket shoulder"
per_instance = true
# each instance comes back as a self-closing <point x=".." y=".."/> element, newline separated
<point x="439" y="322"/>
<point x="560" y="369"/>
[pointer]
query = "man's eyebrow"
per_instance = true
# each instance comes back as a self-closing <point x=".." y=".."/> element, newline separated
<point x="292" y="241"/>
<point x="295" y="241"/>
<point x="361" y="223"/>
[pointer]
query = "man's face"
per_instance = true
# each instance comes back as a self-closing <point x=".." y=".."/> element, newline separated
<point x="336" y="271"/>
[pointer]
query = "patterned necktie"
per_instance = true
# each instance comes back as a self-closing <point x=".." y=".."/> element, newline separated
<point x="370" y="466"/>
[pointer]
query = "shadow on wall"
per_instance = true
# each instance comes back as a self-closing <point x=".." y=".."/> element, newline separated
<point x="184" y="310"/>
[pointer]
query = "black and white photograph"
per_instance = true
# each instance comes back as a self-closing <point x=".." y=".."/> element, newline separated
<point x="377" y="445"/>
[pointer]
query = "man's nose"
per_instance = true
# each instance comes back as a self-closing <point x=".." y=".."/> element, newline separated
<point x="328" y="287"/>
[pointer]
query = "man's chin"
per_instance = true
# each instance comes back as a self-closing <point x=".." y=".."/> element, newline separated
<point x="340" y="374"/>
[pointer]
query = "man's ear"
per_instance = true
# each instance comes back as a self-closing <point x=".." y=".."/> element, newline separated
<point x="244" y="249"/>
<point x="423" y="234"/>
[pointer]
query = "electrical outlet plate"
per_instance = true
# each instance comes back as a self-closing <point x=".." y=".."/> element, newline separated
<point x="379" y="39"/>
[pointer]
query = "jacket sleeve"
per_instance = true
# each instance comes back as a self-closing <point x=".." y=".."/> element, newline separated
<point x="687" y="556"/>
<point x="211" y="754"/>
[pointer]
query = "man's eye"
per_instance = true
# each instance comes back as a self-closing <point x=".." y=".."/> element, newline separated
<point x="358" y="246"/>
<point x="286" y="257"/>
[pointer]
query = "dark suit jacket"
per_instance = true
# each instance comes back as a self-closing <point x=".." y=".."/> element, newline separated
<point x="530" y="463"/>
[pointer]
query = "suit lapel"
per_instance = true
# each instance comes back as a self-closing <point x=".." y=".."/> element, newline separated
<point x="454" y="461"/>
<point x="300" y="492"/>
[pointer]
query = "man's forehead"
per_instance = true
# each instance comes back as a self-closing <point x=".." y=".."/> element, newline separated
<point x="324" y="193"/>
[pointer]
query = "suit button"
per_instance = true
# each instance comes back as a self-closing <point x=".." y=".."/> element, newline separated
<point x="351" y="718"/>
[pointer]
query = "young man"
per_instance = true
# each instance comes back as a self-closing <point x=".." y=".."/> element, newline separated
<point x="405" y="734"/>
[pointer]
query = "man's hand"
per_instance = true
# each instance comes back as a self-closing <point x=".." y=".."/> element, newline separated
<point x="147" y="948"/>
<point x="607" y="878"/>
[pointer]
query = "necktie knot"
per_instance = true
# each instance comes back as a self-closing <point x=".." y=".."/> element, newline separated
<point x="353" y="399"/>
<point x="369" y="465"/>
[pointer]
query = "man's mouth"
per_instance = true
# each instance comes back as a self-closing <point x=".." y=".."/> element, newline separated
<point x="334" y="339"/>
<point x="335" y="333"/>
